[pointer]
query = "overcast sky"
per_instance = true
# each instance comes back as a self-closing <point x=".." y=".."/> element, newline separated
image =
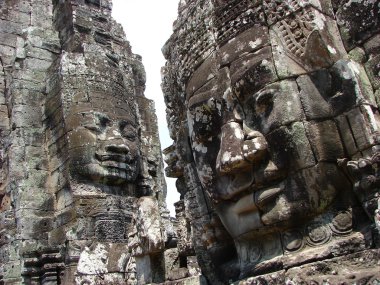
<point x="147" y="25"/>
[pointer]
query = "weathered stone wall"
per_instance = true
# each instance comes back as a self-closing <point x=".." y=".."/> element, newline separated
<point x="82" y="189"/>
<point x="29" y="45"/>
<point x="273" y="109"/>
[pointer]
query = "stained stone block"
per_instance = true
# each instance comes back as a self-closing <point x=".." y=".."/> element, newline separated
<point x="249" y="41"/>
<point x="196" y="202"/>
<point x="358" y="54"/>
<point x="291" y="148"/>
<point x="325" y="140"/>
<point x="377" y="97"/>
<point x="12" y="270"/>
<point x="357" y="21"/>
<point x="37" y="64"/>
<point x="11" y="27"/>
<point x="4" y="124"/>
<point x="373" y="70"/>
<point x="8" y="39"/>
<point x="8" y="51"/>
<point x="314" y="94"/>
<point x="285" y="66"/>
<point x="253" y="71"/>
<point x="361" y="132"/>
<point x="355" y="86"/>
<point x="42" y="53"/>
<point x="277" y="105"/>
<point x="35" y="199"/>
<point x="372" y="46"/>
<point x="37" y="229"/>
<point x="346" y="135"/>
<point x="65" y="217"/>
<point x="207" y="71"/>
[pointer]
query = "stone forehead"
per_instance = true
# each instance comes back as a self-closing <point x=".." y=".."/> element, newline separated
<point x="204" y="26"/>
<point x="106" y="88"/>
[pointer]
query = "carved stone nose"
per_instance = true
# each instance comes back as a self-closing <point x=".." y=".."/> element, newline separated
<point x="239" y="149"/>
<point x="117" y="148"/>
<point x="255" y="148"/>
<point x="230" y="157"/>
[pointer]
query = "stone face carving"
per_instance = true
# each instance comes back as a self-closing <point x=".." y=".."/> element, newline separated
<point x="102" y="124"/>
<point x="282" y="131"/>
<point x="80" y="159"/>
<point x="104" y="144"/>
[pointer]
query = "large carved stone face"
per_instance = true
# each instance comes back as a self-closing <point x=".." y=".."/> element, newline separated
<point x="266" y="148"/>
<point x="280" y="112"/>
<point x="103" y="142"/>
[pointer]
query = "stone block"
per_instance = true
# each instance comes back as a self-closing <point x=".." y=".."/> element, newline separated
<point x="207" y="71"/>
<point x="360" y="128"/>
<point x="195" y="202"/>
<point x="372" y="46"/>
<point x="12" y="270"/>
<point x="8" y="51"/>
<point x="358" y="54"/>
<point x="314" y="93"/>
<point x="290" y="147"/>
<point x="7" y="26"/>
<point x="373" y="70"/>
<point x="65" y="217"/>
<point x="33" y="227"/>
<point x="64" y="198"/>
<point x="277" y="105"/>
<point x="351" y="86"/>
<point x="248" y="41"/>
<point x="325" y="140"/>
<point x="35" y="199"/>
<point x="346" y="135"/>
<point x="252" y="71"/>
<point x="37" y="64"/>
<point x="357" y="21"/>
<point x="8" y="39"/>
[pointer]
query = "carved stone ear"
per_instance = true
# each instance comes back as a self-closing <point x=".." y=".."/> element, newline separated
<point x="316" y="53"/>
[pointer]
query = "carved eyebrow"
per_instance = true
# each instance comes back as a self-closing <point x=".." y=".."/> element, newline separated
<point x="102" y="116"/>
<point x="198" y="98"/>
<point x="124" y="123"/>
<point x="265" y="96"/>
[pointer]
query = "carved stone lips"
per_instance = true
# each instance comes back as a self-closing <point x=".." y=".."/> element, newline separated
<point x="243" y="186"/>
<point x="258" y="199"/>
<point x="113" y="157"/>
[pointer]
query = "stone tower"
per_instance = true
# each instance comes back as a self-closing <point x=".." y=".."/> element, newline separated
<point x="82" y="191"/>
<point x="273" y="107"/>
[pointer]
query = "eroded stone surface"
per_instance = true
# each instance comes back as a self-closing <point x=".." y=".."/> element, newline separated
<point x="80" y="159"/>
<point x="273" y="109"/>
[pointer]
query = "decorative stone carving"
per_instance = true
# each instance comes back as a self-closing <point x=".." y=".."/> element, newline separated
<point x="79" y="150"/>
<point x="282" y="122"/>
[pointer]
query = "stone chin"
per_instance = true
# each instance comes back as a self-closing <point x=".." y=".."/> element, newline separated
<point x="282" y="204"/>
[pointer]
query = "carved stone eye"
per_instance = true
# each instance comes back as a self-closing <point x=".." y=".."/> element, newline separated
<point x="205" y="119"/>
<point x="95" y="122"/>
<point x="94" y="128"/>
<point x="264" y="101"/>
<point x="128" y="131"/>
<point x="102" y="120"/>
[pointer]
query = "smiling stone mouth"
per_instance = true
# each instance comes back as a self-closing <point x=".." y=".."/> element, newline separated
<point x="262" y="193"/>
<point x="113" y="158"/>
<point x="114" y="164"/>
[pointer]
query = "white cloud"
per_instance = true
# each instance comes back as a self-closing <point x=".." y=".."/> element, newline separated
<point x="148" y="25"/>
